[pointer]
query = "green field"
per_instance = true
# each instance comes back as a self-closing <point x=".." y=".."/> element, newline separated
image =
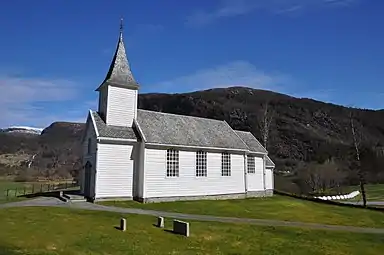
<point x="276" y="207"/>
<point x="374" y="192"/>
<point x="36" y="230"/>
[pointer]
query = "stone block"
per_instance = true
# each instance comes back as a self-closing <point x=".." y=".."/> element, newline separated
<point x="160" y="222"/>
<point x="123" y="224"/>
<point x="181" y="227"/>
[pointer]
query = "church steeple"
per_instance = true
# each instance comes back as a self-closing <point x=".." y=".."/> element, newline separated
<point x="119" y="73"/>
<point x="118" y="92"/>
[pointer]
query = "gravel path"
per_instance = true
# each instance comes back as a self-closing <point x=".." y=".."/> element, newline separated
<point x="54" y="202"/>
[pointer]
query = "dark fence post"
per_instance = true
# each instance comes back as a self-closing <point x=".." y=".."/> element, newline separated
<point x="7" y="193"/>
<point x="24" y="190"/>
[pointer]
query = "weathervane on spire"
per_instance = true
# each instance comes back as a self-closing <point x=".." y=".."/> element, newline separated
<point x="121" y="25"/>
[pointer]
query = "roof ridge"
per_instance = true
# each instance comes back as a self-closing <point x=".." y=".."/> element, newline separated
<point x="189" y="116"/>
<point x="234" y="131"/>
<point x="243" y="131"/>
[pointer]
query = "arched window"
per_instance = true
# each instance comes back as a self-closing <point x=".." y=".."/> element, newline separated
<point x="89" y="146"/>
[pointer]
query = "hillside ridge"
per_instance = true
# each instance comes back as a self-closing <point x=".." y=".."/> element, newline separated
<point x="302" y="130"/>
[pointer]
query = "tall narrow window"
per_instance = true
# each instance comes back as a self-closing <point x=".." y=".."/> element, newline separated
<point x="172" y="163"/>
<point x="251" y="164"/>
<point x="201" y="163"/>
<point x="89" y="146"/>
<point x="225" y="164"/>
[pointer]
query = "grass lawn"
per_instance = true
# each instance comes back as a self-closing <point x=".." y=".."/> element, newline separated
<point x="11" y="199"/>
<point x="276" y="207"/>
<point x="36" y="230"/>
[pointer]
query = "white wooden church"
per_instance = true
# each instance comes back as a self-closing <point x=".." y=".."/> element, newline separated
<point x="130" y="153"/>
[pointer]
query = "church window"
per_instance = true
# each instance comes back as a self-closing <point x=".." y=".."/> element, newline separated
<point x="225" y="164"/>
<point x="201" y="163"/>
<point x="172" y="163"/>
<point x="251" y="164"/>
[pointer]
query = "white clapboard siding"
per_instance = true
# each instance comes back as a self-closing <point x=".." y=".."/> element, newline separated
<point x="114" y="171"/>
<point x="255" y="180"/>
<point x="91" y="157"/>
<point x="268" y="178"/>
<point x="157" y="184"/>
<point x="122" y="106"/>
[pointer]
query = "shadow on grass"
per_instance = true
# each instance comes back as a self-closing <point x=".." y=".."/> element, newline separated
<point x="42" y="194"/>
<point x="72" y="192"/>
<point x="117" y="227"/>
<point x="9" y="250"/>
<point x="170" y="231"/>
<point x="53" y="193"/>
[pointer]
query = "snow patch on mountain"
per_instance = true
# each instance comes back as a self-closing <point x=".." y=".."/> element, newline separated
<point x="22" y="129"/>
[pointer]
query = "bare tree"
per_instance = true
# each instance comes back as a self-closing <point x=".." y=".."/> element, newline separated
<point x="265" y="123"/>
<point x="320" y="178"/>
<point x="357" y="143"/>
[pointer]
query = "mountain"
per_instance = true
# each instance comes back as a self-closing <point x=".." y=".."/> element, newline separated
<point x="302" y="130"/>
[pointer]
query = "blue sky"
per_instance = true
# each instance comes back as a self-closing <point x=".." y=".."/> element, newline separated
<point x="54" y="54"/>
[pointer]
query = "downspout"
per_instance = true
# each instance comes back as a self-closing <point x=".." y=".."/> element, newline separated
<point x="265" y="188"/>
<point x="245" y="173"/>
<point x="96" y="167"/>
<point x="142" y="169"/>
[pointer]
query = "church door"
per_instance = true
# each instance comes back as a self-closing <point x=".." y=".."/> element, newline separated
<point x="87" y="179"/>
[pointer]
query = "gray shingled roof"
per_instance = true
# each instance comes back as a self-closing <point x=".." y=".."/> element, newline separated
<point x="112" y="131"/>
<point x="253" y="144"/>
<point x="269" y="162"/>
<point x="172" y="129"/>
<point x="119" y="72"/>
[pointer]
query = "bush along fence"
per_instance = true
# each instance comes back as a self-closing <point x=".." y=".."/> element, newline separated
<point x="33" y="188"/>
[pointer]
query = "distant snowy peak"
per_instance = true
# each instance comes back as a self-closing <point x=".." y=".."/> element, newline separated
<point x="21" y="129"/>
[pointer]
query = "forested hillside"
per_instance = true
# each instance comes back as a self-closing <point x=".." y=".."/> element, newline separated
<point x="303" y="134"/>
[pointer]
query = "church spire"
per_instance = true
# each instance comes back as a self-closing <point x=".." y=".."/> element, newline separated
<point x="119" y="71"/>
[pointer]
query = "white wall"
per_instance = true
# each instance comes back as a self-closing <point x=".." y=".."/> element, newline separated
<point x="114" y="170"/>
<point x="121" y="106"/>
<point x="255" y="180"/>
<point x="269" y="178"/>
<point x="91" y="157"/>
<point x="157" y="184"/>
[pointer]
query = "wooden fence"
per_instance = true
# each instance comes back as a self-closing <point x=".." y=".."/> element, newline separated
<point x="33" y="188"/>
